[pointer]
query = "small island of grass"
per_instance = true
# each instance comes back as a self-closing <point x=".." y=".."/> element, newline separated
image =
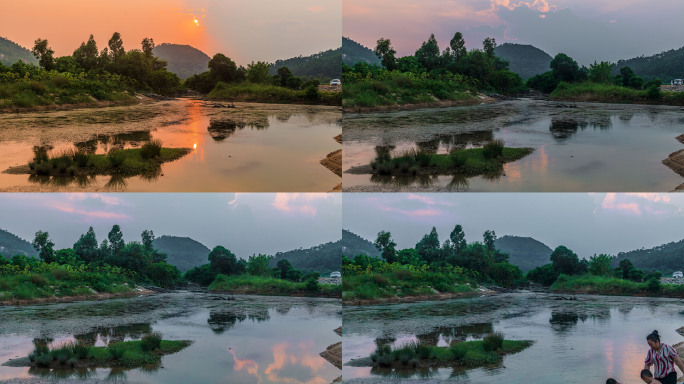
<point x="467" y="354"/>
<point x="465" y="162"/>
<point x="129" y="354"/>
<point x="124" y="162"/>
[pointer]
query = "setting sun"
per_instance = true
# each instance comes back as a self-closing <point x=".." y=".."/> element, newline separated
<point x="196" y="21"/>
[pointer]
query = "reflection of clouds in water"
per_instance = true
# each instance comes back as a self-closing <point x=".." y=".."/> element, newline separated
<point x="251" y="366"/>
<point x="284" y="357"/>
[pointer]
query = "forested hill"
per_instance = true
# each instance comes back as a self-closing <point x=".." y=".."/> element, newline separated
<point x="183" y="60"/>
<point x="353" y="245"/>
<point x="664" y="66"/>
<point x="324" y="258"/>
<point x="665" y="258"/>
<point x="353" y="52"/>
<point x="525" y="60"/>
<point x="11" y="52"/>
<point x="322" y="66"/>
<point x="12" y="245"/>
<point x="525" y="252"/>
<point x="183" y="252"/>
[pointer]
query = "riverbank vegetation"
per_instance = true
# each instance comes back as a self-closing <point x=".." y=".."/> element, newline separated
<point x="429" y="76"/>
<point x="604" y="285"/>
<point x="88" y="76"/>
<point x="468" y="354"/>
<point x="467" y="162"/>
<point x="128" y="354"/>
<point x="145" y="160"/>
<point x="87" y="269"/>
<point x="430" y="269"/>
<point x="601" y="82"/>
<point x="226" y="81"/>
<point x="226" y="273"/>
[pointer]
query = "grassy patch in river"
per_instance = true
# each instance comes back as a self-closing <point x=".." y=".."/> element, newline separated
<point x="467" y="354"/>
<point x="263" y="93"/>
<point x="129" y="354"/>
<point x="270" y="286"/>
<point x="124" y="162"/>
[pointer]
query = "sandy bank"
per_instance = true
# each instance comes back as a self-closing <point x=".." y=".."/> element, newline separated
<point x="676" y="162"/>
<point x="334" y="354"/>
<point x="334" y="162"/>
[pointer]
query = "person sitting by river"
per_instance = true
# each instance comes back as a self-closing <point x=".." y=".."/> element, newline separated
<point x="647" y="377"/>
<point x="663" y="358"/>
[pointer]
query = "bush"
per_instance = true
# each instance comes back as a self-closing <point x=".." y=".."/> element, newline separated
<point x="493" y="149"/>
<point x="312" y="285"/>
<point x="653" y="285"/>
<point x="116" y="352"/>
<point x="458" y="351"/>
<point x="116" y="158"/>
<point x="151" y="342"/>
<point x="151" y="149"/>
<point x="493" y="341"/>
<point x="81" y="350"/>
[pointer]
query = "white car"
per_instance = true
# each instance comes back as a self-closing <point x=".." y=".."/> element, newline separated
<point x="678" y="275"/>
<point x="335" y="274"/>
<point x="335" y="82"/>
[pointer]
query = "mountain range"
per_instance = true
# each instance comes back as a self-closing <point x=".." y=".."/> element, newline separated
<point x="11" y="52"/>
<point x="11" y="245"/>
<point x="353" y="52"/>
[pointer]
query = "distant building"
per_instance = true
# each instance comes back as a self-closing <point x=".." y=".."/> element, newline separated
<point x="677" y="82"/>
<point x="677" y="275"/>
<point x="338" y="274"/>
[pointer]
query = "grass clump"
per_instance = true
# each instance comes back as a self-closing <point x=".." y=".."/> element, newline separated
<point x="265" y="93"/>
<point x="151" y="342"/>
<point x="605" y="285"/>
<point x="493" y="342"/>
<point x="262" y="285"/>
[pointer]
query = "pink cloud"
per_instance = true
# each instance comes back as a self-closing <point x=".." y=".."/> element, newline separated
<point x="421" y="198"/>
<point x="87" y="214"/>
<point x="538" y="5"/>
<point x="413" y="213"/>
<point x="316" y="9"/>
<point x="105" y="198"/>
<point x="301" y="203"/>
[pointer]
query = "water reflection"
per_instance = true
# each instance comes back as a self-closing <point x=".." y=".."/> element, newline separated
<point x="221" y="320"/>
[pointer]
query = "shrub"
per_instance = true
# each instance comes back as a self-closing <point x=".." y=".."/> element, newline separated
<point x="116" y="352"/>
<point x="458" y="158"/>
<point x="653" y="285"/>
<point x="493" y="341"/>
<point x="423" y="350"/>
<point x="151" y="342"/>
<point x="380" y="280"/>
<point x="38" y="280"/>
<point x="458" y="351"/>
<point x="80" y="158"/>
<point x="116" y="158"/>
<point x="151" y="149"/>
<point x="81" y="350"/>
<point x="493" y="149"/>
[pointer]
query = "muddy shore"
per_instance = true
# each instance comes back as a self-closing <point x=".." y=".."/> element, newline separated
<point x="412" y="299"/>
<point x="69" y="299"/>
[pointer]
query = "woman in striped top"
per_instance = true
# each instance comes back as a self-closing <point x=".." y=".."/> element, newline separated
<point x="663" y="358"/>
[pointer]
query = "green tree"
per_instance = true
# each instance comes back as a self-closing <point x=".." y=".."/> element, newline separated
<point x="148" y="47"/>
<point x="428" y="54"/>
<point x="148" y="239"/>
<point x="87" y="54"/>
<point x="116" y="48"/>
<point x="565" y="261"/>
<point x="257" y="73"/>
<point x="385" y="52"/>
<point x="489" y="239"/>
<point x="86" y="246"/>
<point x="284" y="75"/>
<point x="225" y="262"/>
<point x="488" y="45"/>
<point x="600" y="265"/>
<point x="116" y="240"/>
<point x="505" y="274"/>
<point x="163" y="274"/>
<point x="223" y="68"/>
<point x="544" y="275"/>
<point x="44" y="246"/>
<point x="601" y="72"/>
<point x="44" y="53"/>
<point x="565" y="68"/>
<point x="257" y="265"/>
<point x="457" y="45"/>
<point x="458" y="239"/>
<point x="386" y="246"/>
<point x="429" y="247"/>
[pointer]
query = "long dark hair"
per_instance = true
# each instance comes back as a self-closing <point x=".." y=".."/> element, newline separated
<point x="654" y="337"/>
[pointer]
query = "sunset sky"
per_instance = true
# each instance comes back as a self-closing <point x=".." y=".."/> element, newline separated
<point x="244" y="223"/>
<point x="245" y="31"/>
<point x="587" y="30"/>
<point x="587" y="223"/>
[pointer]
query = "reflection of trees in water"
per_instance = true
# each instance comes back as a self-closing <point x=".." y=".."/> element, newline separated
<point x="117" y="141"/>
<point x="464" y="140"/>
<point x="116" y="182"/>
<point x="453" y="334"/>
<point x="222" y="320"/>
<point x="420" y="373"/>
<point x="114" y="334"/>
<point x="563" y="128"/>
<point x="565" y="319"/>
<point x="429" y="146"/>
<point x="222" y="128"/>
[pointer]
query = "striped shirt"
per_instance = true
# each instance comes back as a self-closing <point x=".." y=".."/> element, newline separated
<point x="662" y="361"/>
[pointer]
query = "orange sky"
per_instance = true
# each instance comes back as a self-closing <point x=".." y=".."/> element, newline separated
<point x="68" y="23"/>
<point x="246" y="31"/>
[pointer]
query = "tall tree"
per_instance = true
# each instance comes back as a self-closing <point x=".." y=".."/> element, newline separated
<point x="44" y="246"/>
<point x="565" y="261"/>
<point x="44" y="53"/>
<point x="224" y="261"/>
<point x="489" y="238"/>
<point x="386" y="246"/>
<point x="428" y="54"/>
<point x="428" y="247"/>
<point x="86" y="246"/>
<point x="458" y="239"/>
<point x="86" y="55"/>
<point x="116" y="240"/>
<point x="223" y="68"/>
<point x="147" y="46"/>
<point x="565" y="68"/>
<point x="147" y="239"/>
<point x="116" y="48"/>
<point x="385" y="52"/>
<point x="488" y="45"/>
<point x="258" y="72"/>
<point x="457" y="45"/>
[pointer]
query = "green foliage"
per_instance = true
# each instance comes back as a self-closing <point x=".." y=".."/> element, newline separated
<point x="258" y="72"/>
<point x="258" y="265"/>
<point x="525" y="60"/>
<point x="222" y="68"/>
<point x="600" y="265"/>
<point x="322" y="66"/>
<point x="493" y="149"/>
<point x="386" y="246"/>
<point x="385" y="53"/>
<point x="151" y="342"/>
<point x="545" y="275"/>
<point x="44" y="246"/>
<point x="312" y="284"/>
<point x="601" y="72"/>
<point x="564" y="68"/>
<point x="493" y="342"/>
<point x="666" y="258"/>
<point x="565" y="261"/>
<point x="272" y="94"/>
<point x="203" y="275"/>
<point x="225" y="262"/>
<point x="259" y="285"/>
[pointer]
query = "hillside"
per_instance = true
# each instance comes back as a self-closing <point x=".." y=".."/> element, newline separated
<point x="525" y="252"/>
<point x="664" y="66"/>
<point x="323" y="258"/>
<point x="665" y="258"/>
<point x="183" y="60"/>
<point x="353" y="245"/>
<point x="11" y="245"/>
<point x="11" y="52"/>
<point x="183" y="252"/>
<point x="322" y="66"/>
<point x="525" y="60"/>
<point x="353" y="52"/>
